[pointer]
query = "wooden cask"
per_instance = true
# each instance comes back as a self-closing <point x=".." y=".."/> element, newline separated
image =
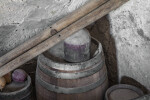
<point x="24" y="93"/>
<point x="60" y="80"/>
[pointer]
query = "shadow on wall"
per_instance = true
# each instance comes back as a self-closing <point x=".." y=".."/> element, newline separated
<point x="30" y="68"/>
<point x="101" y="31"/>
<point x="131" y="81"/>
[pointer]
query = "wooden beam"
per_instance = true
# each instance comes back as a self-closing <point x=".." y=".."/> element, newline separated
<point x="58" y="26"/>
<point x="50" y="42"/>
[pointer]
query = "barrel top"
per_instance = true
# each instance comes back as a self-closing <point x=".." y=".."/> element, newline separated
<point x="96" y="57"/>
<point x="123" y="87"/>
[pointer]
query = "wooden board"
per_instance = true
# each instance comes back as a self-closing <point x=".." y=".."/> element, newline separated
<point x="50" y="31"/>
<point x="50" y="42"/>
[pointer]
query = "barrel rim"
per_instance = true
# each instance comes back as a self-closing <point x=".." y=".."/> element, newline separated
<point x="75" y="75"/>
<point x="73" y="66"/>
<point x="19" y="91"/>
<point x="123" y="86"/>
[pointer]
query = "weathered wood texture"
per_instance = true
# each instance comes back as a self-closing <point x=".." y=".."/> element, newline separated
<point x="58" y="26"/>
<point x="72" y="81"/>
<point x="95" y="94"/>
<point x="50" y="42"/>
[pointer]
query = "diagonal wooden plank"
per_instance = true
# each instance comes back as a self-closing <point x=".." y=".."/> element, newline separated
<point x="58" y="26"/>
<point x="45" y="45"/>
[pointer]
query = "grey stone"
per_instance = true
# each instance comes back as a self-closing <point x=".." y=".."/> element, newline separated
<point x="131" y="32"/>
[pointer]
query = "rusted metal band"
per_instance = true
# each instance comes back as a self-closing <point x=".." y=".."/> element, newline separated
<point x="76" y="90"/>
<point x="98" y="56"/>
<point x="75" y="75"/>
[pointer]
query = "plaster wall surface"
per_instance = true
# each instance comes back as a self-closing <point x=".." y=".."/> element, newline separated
<point x="130" y="28"/>
<point x="22" y="19"/>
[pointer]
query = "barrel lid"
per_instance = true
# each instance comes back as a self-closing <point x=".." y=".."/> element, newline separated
<point x="123" y="92"/>
<point x="97" y="56"/>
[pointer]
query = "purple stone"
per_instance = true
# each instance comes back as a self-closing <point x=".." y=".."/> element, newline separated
<point x="77" y="47"/>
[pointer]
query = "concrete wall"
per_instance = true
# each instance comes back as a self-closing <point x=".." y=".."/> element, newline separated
<point x="129" y="24"/>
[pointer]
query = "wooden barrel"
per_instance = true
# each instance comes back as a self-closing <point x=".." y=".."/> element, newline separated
<point x="60" y="80"/>
<point x="123" y="92"/>
<point x="24" y="93"/>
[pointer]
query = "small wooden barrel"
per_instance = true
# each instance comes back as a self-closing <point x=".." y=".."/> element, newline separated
<point x="60" y="80"/>
<point x="24" y="93"/>
<point x="123" y="92"/>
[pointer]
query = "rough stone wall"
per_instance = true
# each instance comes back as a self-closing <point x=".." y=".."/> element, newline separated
<point x="22" y="19"/>
<point x="130" y="28"/>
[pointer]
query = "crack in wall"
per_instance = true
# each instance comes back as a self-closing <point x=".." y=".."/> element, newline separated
<point x="141" y="33"/>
